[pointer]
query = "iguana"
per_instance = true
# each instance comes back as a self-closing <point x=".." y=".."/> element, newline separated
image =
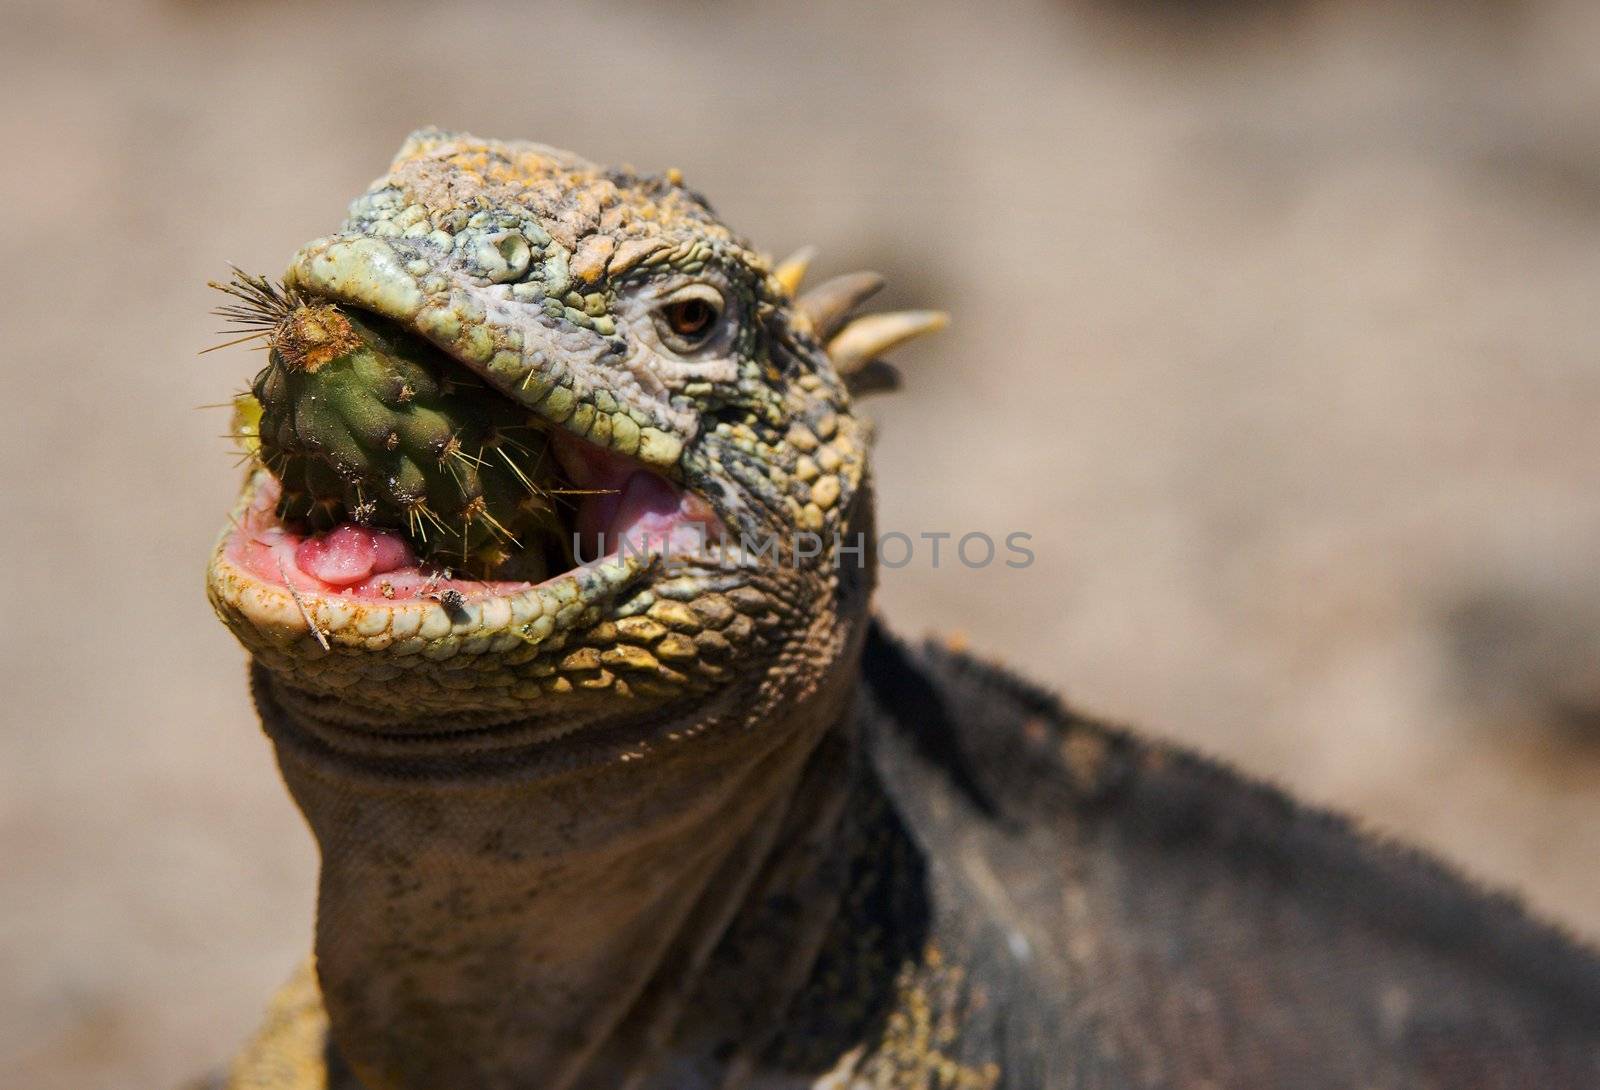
<point x="697" y="820"/>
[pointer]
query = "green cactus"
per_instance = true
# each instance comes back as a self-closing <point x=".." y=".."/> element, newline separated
<point x="362" y="421"/>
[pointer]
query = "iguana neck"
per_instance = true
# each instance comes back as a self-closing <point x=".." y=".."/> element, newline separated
<point x="493" y="932"/>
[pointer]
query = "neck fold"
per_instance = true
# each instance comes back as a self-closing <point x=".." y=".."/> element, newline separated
<point x="494" y="933"/>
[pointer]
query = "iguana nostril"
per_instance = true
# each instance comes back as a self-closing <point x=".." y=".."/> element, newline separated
<point x="503" y="256"/>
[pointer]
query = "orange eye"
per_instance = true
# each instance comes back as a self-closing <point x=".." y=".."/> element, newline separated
<point x="690" y="318"/>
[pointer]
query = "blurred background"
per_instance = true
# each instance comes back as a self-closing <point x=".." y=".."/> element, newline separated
<point x="1275" y="324"/>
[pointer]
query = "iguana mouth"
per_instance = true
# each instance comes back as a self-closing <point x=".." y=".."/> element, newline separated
<point x="620" y="508"/>
<point x="333" y="568"/>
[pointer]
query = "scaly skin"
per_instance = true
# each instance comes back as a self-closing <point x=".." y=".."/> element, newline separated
<point x="704" y="826"/>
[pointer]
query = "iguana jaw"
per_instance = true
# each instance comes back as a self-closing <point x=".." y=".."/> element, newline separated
<point x="296" y="616"/>
<point x="271" y="586"/>
<point x="357" y="599"/>
<point x="610" y="505"/>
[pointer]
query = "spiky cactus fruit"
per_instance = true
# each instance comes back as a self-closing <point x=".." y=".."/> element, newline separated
<point x="361" y="421"/>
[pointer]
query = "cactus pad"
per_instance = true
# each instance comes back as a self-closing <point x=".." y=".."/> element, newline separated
<point x="363" y="422"/>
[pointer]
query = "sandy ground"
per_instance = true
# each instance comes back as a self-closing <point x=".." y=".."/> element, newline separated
<point x="1275" y="327"/>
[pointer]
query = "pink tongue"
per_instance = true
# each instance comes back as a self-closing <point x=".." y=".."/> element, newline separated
<point x="348" y="554"/>
<point x="648" y="506"/>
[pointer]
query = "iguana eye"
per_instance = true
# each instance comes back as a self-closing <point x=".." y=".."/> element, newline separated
<point x="690" y="318"/>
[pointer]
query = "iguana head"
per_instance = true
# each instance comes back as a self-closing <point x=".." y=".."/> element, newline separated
<point x="686" y="397"/>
